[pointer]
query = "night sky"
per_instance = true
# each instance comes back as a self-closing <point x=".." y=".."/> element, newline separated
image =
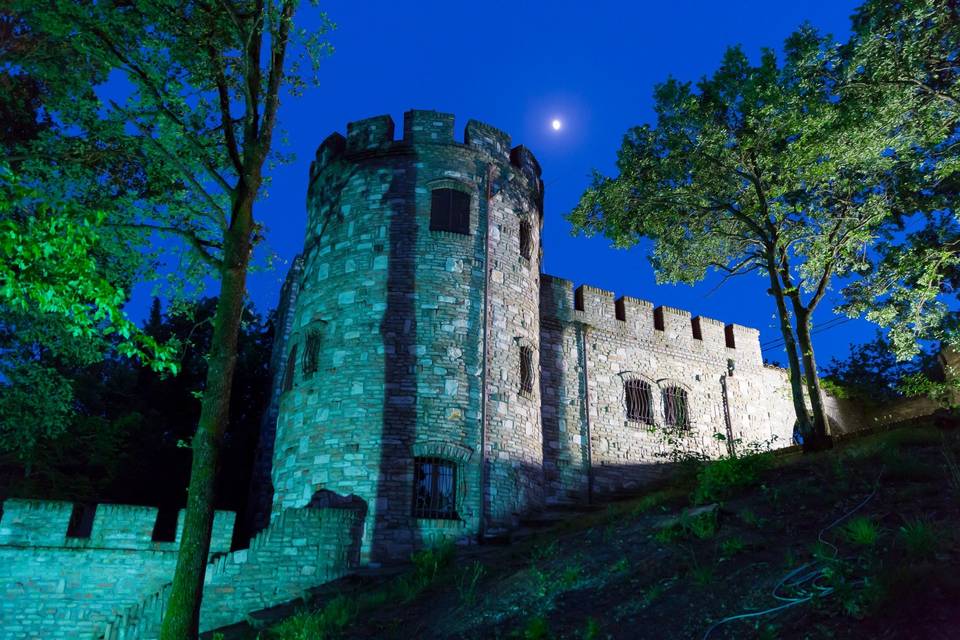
<point x="518" y="65"/>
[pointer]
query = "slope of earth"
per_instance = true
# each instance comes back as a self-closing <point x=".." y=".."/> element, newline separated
<point x="859" y="542"/>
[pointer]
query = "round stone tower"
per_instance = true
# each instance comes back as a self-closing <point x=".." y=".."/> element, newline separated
<point x="412" y="387"/>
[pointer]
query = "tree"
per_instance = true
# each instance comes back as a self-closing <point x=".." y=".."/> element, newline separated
<point x="872" y="373"/>
<point x="66" y="179"/>
<point x="205" y="79"/>
<point x="757" y="169"/>
<point x="907" y="55"/>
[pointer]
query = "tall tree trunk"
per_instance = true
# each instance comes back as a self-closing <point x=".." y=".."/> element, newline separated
<point x="182" y="617"/>
<point x="802" y="315"/>
<point x="790" y="343"/>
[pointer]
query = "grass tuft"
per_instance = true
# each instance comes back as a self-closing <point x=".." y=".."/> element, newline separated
<point x="861" y="531"/>
<point x="919" y="538"/>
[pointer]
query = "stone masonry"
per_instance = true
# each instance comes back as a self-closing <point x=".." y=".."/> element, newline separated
<point x="400" y="347"/>
<point x="415" y="336"/>
<point x="112" y="581"/>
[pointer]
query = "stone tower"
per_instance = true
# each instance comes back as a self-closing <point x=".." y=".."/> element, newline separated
<point x="411" y="388"/>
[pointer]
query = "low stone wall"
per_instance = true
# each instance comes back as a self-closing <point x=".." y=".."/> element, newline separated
<point x="114" y="583"/>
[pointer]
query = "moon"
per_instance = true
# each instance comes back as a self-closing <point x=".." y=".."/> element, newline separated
<point x="556" y="124"/>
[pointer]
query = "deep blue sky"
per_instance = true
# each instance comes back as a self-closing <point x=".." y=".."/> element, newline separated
<point x="518" y="64"/>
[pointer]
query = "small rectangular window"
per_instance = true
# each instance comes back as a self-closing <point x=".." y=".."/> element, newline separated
<point x="434" y="489"/>
<point x="311" y="354"/>
<point x="639" y="401"/>
<point x="525" y="239"/>
<point x="288" y="373"/>
<point x="450" y="211"/>
<point x="526" y="370"/>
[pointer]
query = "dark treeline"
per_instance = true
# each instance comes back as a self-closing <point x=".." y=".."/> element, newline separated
<point x="127" y="433"/>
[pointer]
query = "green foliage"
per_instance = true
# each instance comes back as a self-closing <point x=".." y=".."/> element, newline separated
<point x="719" y="479"/>
<point x="732" y="546"/>
<point x="326" y="623"/>
<point x="702" y="526"/>
<point x="757" y="168"/>
<point x="904" y="55"/>
<point x="592" y="629"/>
<point x="872" y="372"/>
<point x="468" y="580"/>
<point x="861" y="531"/>
<point x="919" y="538"/>
<point x="749" y="517"/>
<point x="536" y="629"/>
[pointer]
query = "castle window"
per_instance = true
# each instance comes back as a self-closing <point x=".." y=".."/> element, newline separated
<point x="526" y="370"/>
<point x="311" y="353"/>
<point x="434" y="489"/>
<point x="291" y="365"/>
<point x="676" y="411"/>
<point x="525" y="239"/>
<point x="639" y="401"/>
<point x="450" y="211"/>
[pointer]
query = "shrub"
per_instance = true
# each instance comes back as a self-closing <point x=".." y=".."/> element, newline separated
<point x="732" y="546"/>
<point x="536" y="629"/>
<point x="718" y="479"/>
<point x="919" y="538"/>
<point x="862" y="531"/>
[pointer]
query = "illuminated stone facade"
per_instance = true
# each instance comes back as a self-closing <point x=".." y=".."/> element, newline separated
<point x="407" y="343"/>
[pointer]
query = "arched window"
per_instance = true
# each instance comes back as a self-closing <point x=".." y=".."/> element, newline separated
<point x="676" y="411"/>
<point x="526" y="370"/>
<point x="434" y="488"/>
<point x="450" y="211"/>
<point x="526" y="239"/>
<point x="311" y="352"/>
<point x="639" y="400"/>
<point x="291" y="365"/>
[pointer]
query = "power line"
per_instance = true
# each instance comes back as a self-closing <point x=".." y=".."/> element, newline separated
<point x="826" y="325"/>
<point x="833" y="324"/>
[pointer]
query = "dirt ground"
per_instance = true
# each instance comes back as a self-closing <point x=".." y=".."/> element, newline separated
<point x="862" y="541"/>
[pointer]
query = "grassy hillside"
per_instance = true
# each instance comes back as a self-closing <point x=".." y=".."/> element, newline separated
<point x="858" y="542"/>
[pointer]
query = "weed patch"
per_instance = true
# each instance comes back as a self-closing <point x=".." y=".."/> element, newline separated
<point x="861" y="531"/>
<point x="720" y="479"/>
<point x="918" y="538"/>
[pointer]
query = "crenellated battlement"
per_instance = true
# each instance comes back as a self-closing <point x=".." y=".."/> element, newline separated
<point x="377" y="135"/>
<point x="640" y="319"/>
<point x="41" y="523"/>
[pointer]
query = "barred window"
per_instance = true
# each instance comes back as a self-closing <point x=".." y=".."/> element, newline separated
<point x="291" y="365"/>
<point x="311" y="353"/>
<point x="639" y="400"/>
<point x="525" y="239"/>
<point x="676" y="412"/>
<point x="450" y="211"/>
<point x="526" y="369"/>
<point x="435" y="493"/>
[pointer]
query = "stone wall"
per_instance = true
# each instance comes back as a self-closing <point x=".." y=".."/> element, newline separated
<point x="260" y="501"/>
<point x="114" y="582"/>
<point x="593" y="344"/>
<point x="55" y="586"/>
<point x="399" y="309"/>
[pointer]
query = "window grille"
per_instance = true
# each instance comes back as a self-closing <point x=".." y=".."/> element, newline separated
<point x="311" y="353"/>
<point x="450" y="211"/>
<point x="434" y="489"/>
<point x="639" y="401"/>
<point x="676" y="412"/>
<point x="291" y="365"/>
<point x="526" y="369"/>
<point x="525" y="239"/>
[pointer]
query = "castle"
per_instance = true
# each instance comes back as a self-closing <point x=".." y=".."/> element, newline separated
<point x="430" y="371"/>
<point x="430" y="382"/>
